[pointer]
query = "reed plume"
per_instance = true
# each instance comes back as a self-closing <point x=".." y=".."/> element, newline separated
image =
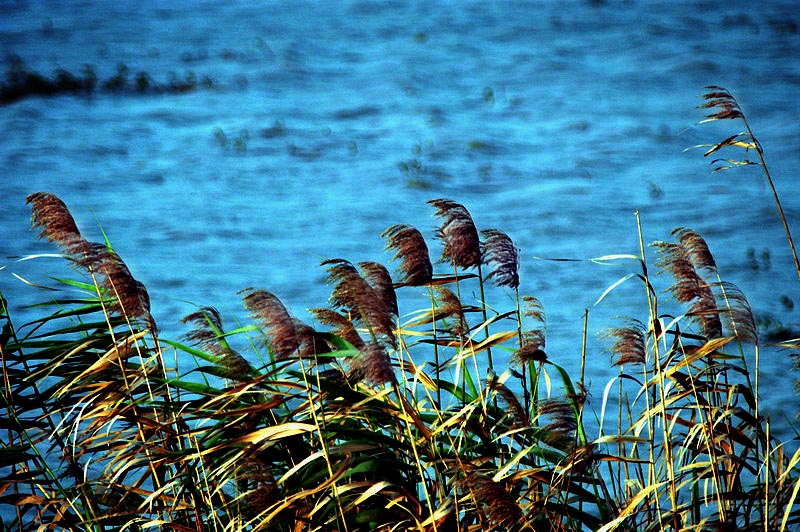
<point x="344" y="327"/>
<point x="449" y="306"/>
<point x="560" y="424"/>
<point x="269" y="310"/>
<point x="209" y="335"/>
<point x="354" y="294"/>
<point x="739" y="314"/>
<point x="129" y="296"/>
<point x="410" y="248"/>
<point x="533" y="340"/>
<point x="373" y="364"/>
<point x="493" y="500"/>
<point x="462" y="245"/>
<point x="498" y="248"/>
<point x="724" y="105"/>
<point x="510" y="398"/>
<point x="630" y="344"/>
<point x="378" y="277"/>
<point x="697" y="247"/>
<point x="53" y="217"/>
<point x="690" y="287"/>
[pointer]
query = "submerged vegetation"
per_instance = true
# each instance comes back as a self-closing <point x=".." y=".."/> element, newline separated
<point x="20" y="82"/>
<point x="380" y="417"/>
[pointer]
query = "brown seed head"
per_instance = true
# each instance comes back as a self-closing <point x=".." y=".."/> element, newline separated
<point x="268" y="309"/>
<point x="343" y="324"/>
<point x="353" y="293"/>
<point x="500" y="250"/>
<point x="410" y="248"/>
<point x="374" y="364"/>
<point x="630" y="344"/>
<point x="377" y="276"/>
<point x="493" y="500"/>
<point x="462" y="245"/>
<point x="52" y="216"/>
<point x="449" y="306"/>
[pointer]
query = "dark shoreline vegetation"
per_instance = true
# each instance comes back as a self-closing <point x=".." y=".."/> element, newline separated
<point x="21" y="83"/>
<point x="381" y="419"/>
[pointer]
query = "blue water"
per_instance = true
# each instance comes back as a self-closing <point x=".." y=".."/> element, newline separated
<point x="329" y="121"/>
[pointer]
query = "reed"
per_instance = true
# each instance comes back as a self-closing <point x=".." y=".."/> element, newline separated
<point x="372" y="417"/>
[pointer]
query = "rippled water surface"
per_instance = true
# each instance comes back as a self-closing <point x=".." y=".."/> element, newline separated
<point x="326" y="122"/>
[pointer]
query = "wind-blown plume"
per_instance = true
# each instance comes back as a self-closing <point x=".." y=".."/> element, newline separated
<point x="690" y="287"/>
<point x="268" y="309"/>
<point x="533" y="340"/>
<point x="449" y="306"/>
<point x="344" y="327"/>
<point x="52" y="216"/>
<point x="698" y="248"/>
<point x="629" y="344"/>
<point x="354" y="294"/>
<point x="374" y="364"/>
<point x="209" y="335"/>
<point x="462" y="245"/>
<point x="412" y="251"/>
<point x="500" y="250"/>
<point x="129" y="296"/>
<point x="493" y="499"/>
<point x="379" y="279"/>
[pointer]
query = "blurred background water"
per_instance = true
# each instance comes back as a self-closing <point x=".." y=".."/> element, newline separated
<point x="326" y="122"/>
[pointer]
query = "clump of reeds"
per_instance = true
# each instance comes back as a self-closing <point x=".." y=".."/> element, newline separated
<point x="370" y="418"/>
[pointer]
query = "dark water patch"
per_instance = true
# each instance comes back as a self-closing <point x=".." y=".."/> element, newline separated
<point x="357" y="112"/>
<point x="21" y="83"/>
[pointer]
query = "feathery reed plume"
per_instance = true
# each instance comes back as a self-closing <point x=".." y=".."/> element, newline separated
<point x="353" y="293"/>
<point x="722" y="102"/>
<point x="310" y="342"/>
<point x="689" y="286"/>
<point x="500" y="249"/>
<point x="343" y="325"/>
<point x="450" y="307"/>
<point x="268" y="309"/>
<point x="374" y="365"/>
<point x="697" y="247"/>
<point x="493" y="500"/>
<point x="209" y="335"/>
<point x="52" y="216"/>
<point x="410" y="247"/>
<point x="533" y="340"/>
<point x="130" y="297"/>
<point x="630" y="344"/>
<point x="379" y="279"/>
<point x="462" y="245"/>
<point x="561" y="423"/>
<point x="739" y="313"/>
<point x="510" y="398"/>
<point x="263" y="491"/>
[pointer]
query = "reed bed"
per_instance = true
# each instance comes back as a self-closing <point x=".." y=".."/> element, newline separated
<point x="378" y="417"/>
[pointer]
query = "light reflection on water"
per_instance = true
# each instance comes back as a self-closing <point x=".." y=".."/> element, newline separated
<point x="326" y="125"/>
